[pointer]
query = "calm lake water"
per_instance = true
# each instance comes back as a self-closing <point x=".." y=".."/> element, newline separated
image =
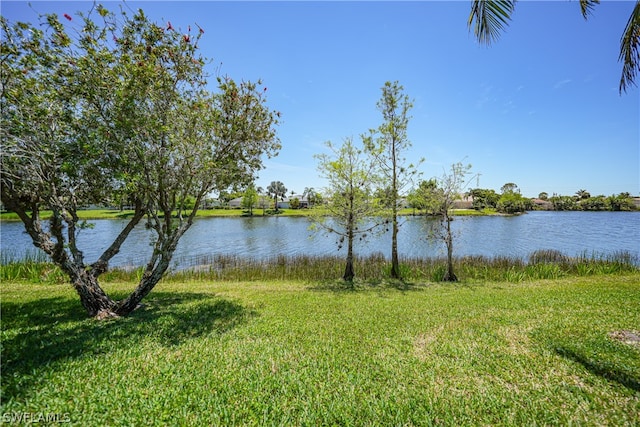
<point x="572" y="233"/>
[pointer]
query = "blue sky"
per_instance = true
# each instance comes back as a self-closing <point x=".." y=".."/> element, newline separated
<point x="539" y="108"/>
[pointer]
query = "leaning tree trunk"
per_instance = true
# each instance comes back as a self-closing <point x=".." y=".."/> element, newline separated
<point x="94" y="300"/>
<point x="65" y="254"/>
<point x="149" y="280"/>
<point x="156" y="267"/>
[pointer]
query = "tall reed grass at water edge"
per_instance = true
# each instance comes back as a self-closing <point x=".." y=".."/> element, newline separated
<point x="542" y="264"/>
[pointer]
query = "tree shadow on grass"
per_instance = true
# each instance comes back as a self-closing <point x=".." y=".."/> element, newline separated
<point x="39" y="334"/>
<point x="334" y="285"/>
<point x="602" y="368"/>
<point x="340" y="285"/>
<point x="405" y="285"/>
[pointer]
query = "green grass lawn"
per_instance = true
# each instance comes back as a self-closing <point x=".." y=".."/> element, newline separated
<point x="125" y="214"/>
<point x="294" y="353"/>
<point x="206" y="213"/>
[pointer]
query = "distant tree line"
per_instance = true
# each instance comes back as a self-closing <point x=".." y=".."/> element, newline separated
<point x="510" y="201"/>
<point x="425" y="197"/>
<point x="583" y="201"/>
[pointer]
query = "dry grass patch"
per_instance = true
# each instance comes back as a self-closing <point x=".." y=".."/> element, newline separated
<point x="631" y="338"/>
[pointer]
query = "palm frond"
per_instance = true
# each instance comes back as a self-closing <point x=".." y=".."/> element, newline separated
<point x="630" y="50"/>
<point x="489" y="17"/>
<point x="586" y="6"/>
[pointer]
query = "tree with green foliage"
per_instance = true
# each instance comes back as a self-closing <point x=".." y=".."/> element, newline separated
<point x="620" y="202"/>
<point x="484" y="198"/>
<point x="388" y="144"/>
<point x="489" y="17"/>
<point x="318" y="199"/>
<point x="511" y="201"/>
<point x="310" y="194"/>
<point x="277" y="190"/>
<point x="596" y="203"/>
<point x="425" y="197"/>
<point x="294" y="203"/>
<point x="263" y="200"/>
<point x="450" y="188"/>
<point x="582" y="195"/>
<point x="249" y="199"/>
<point x="509" y="187"/>
<point x="563" y="203"/>
<point x="263" y="203"/>
<point x="105" y="104"/>
<point x="350" y="208"/>
<point x="580" y="201"/>
<point x="384" y="197"/>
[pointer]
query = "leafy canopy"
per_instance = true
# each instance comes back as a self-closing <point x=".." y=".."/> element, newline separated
<point x="107" y="107"/>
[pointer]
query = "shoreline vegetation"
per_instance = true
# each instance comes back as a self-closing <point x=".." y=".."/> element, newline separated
<point x="621" y="203"/>
<point x="94" y="214"/>
<point x="370" y="270"/>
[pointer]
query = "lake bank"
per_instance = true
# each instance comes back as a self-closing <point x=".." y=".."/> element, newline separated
<point x="94" y="214"/>
<point x="374" y="269"/>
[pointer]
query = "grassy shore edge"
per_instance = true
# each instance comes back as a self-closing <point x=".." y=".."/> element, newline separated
<point x="94" y="214"/>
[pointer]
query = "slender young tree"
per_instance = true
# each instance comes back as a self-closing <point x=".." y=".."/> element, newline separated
<point x="350" y="210"/>
<point x="107" y="104"/>
<point x="450" y="188"/>
<point x="250" y="199"/>
<point x="388" y="145"/>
